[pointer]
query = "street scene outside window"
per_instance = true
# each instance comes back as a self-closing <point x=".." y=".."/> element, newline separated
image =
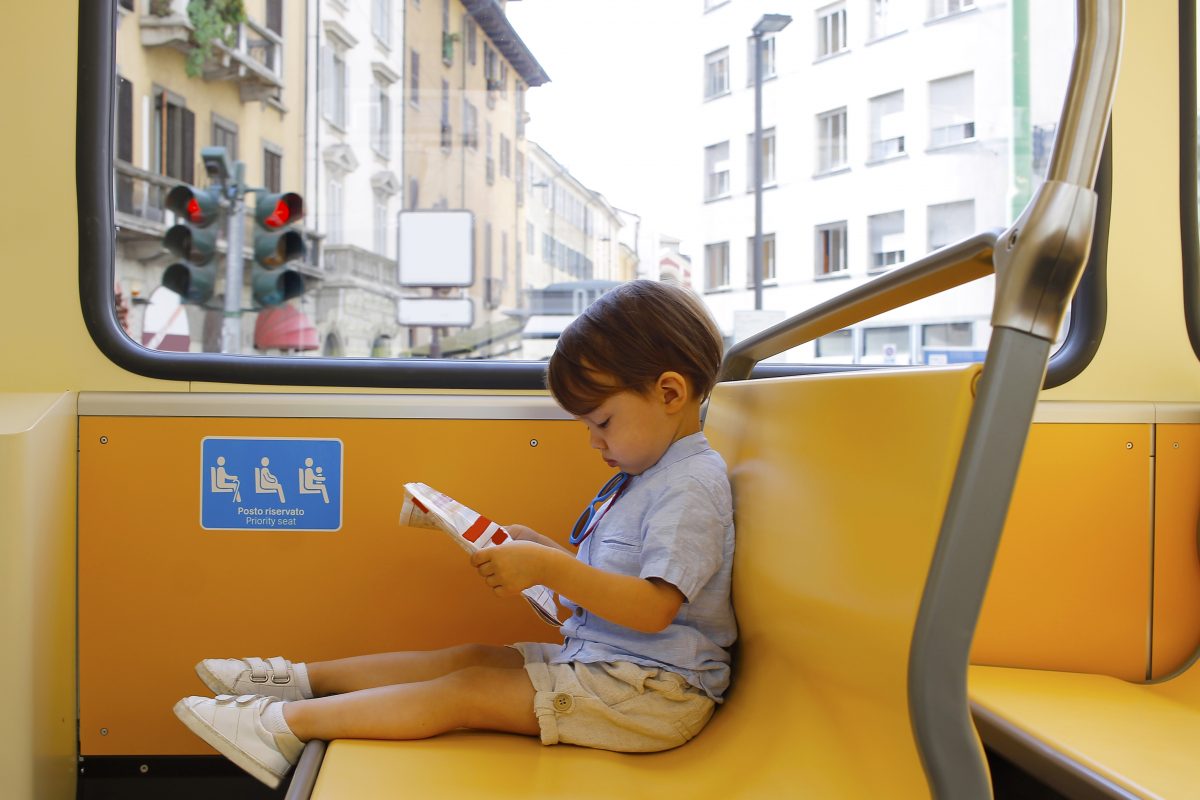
<point x="461" y="178"/>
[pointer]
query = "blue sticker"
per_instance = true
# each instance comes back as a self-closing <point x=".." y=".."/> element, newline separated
<point x="270" y="484"/>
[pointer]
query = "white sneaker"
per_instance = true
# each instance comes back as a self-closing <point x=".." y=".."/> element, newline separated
<point x="233" y="725"/>
<point x="273" y="677"/>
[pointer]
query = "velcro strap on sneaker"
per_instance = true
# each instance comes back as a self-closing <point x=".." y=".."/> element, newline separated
<point x="245" y="699"/>
<point x="258" y="670"/>
<point x="281" y="671"/>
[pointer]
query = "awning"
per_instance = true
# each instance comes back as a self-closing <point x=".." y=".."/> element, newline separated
<point x="284" y="327"/>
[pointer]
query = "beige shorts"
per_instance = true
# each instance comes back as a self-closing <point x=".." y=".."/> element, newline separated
<point x="612" y="706"/>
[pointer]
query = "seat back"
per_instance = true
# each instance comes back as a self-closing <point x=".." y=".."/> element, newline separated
<point x="840" y="484"/>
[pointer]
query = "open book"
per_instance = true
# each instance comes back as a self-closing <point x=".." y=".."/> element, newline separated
<point x="425" y="507"/>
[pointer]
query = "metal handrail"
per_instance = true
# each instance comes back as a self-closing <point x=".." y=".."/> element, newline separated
<point x="943" y="269"/>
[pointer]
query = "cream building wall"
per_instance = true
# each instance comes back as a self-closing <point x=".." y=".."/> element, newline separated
<point x="258" y="89"/>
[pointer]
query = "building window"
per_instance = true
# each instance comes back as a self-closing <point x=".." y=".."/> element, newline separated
<point x="447" y="42"/>
<point x="888" y="345"/>
<point x="716" y="73"/>
<point x="831" y="249"/>
<point x="887" y="126"/>
<point x="414" y="78"/>
<point x="414" y="192"/>
<point x="505" y="156"/>
<point x="768" y="159"/>
<point x="333" y="225"/>
<point x="768" y="58"/>
<point x="489" y="159"/>
<point x="334" y="90"/>
<point x="886" y="233"/>
<point x="272" y="168"/>
<point x="947" y="334"/>
<point x="716" y="171"/>
<point x="519" y="171"/>
<point x="447" y="130"/>
<point x="470" y="27"/>
<point x="381" y="20"/>
<point x="380" y="227"/>
<point x="470" y="126"/>
<point x="885" y="18"/>
<point x="831" y="30"/>
<point x="944" y="8"/>
<point x="952" y="110"/>
<point x="124" y="139"/>
<point x="839" y="344"/>
<point x="950" y="223"/>
<point x="174" y="137"/>
<point x="530" y="236"/>
<point x="381" y="120"/>
<point x="768" y="259"/>
<point x="831" y="140"/>
<point x="716" y="265"/>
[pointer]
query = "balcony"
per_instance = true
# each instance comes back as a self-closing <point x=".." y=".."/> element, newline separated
<point x="255" y="63"/>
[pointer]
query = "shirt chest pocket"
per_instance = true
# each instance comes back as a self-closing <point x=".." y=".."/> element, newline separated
<point x="618" y="553"/>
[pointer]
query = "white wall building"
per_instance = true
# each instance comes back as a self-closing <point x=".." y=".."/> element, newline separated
<point x="888" y="131"/>
<point x="353" y="142"/>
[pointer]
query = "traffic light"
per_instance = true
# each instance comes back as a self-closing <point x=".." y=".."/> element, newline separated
<point x="194" y="241"/>
<point x="275" y="244"/>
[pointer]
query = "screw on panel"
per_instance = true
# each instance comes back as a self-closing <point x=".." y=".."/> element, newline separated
<point x="103" y="440"/>
<point x="1175" y="445"/>
<point x="533" y="442"/>
<point x="144" y="768"/>
<point x="104" y="731"/>
<point x="1129" y="445"/>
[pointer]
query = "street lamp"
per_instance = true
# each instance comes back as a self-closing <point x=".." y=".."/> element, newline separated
<point x="770" y="23"/>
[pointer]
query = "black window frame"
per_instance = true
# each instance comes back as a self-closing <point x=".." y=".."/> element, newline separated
<point x="96" y="85"/>
<point x="1189" y="225"/>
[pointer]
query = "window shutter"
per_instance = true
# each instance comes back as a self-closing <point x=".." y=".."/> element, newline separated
<point x="275" y="16"/>
<point x="188" y="140"/>
<point x="124" y="119"/>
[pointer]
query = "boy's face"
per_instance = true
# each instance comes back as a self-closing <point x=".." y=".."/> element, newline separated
<point x="631" y="430"/>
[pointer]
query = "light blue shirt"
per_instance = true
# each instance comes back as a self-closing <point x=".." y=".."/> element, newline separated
<point x="674" y="522"/>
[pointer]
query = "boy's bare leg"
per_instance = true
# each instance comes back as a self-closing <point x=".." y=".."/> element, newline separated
<point x="386" y="669"/>
<point x="483" y="698"/>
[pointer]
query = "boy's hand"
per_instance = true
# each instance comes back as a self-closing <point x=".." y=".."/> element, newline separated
<point x="512" y="567"/>
<point x="522" y="532"/>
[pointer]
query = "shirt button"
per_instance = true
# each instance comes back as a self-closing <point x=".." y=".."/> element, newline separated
<point x="563" y="702"/>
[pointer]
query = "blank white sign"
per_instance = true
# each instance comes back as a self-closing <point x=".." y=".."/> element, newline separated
<point x="436" y="311"/>
<point x="437" y="248"/>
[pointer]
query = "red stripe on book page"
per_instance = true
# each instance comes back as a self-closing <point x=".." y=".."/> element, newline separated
<point x="499" y="536"/>
<point x="418" y="504"/>
<point x="477" y="528"/>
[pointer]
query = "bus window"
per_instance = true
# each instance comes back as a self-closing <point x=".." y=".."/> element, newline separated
<point x="457" y="180"/>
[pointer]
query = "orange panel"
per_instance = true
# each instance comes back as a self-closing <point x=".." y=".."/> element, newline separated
<point x="1071" y="587"/>
<point x="1176" y="566"/>
<point x="157" y="593"/>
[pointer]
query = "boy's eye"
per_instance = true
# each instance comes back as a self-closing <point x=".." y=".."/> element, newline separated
<point x="605" y="423"/>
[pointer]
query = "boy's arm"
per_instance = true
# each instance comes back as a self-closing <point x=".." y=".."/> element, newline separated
<point x="525" y="534"/>
<point x="644" y="605"/>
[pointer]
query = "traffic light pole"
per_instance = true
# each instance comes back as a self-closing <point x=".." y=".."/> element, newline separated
<point x="231" y="323"/>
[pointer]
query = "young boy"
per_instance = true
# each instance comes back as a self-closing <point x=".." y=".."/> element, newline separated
<point x="646" y="650"/>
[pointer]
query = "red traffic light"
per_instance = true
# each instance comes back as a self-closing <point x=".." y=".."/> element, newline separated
<point x="275" y="211"/>
<point x="196" y="206"/>
<point x="193" y="211"/>
<point x="279" y="217"/>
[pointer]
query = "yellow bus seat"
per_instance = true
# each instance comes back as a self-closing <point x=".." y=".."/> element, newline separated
<point x="840" y="483"/>
<point x="1093" y="735"/>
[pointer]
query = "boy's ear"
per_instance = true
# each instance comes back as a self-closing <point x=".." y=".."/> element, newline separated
<point x="673" y="388"/>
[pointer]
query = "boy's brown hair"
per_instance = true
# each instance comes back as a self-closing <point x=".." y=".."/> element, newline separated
<point x="627" y="338"/>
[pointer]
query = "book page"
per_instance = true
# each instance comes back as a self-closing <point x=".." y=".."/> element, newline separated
<point x="426" y="507"/>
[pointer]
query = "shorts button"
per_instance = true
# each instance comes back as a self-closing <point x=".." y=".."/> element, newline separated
<point x="563" y="702"/>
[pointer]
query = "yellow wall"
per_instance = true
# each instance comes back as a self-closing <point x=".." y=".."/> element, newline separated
<point x="1145" y="353"/>
<point x="37" y="583"/>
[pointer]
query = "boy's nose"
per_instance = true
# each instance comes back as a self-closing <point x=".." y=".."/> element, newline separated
<point x="596" y="441"/>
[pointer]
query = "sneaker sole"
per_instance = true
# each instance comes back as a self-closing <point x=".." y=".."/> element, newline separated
<point x="197" y="725"/>
<point x="212" y="681"/>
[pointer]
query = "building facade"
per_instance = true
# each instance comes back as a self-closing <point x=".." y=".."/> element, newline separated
<point x="247" y="97"/>
<point x="890" y="128"/>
